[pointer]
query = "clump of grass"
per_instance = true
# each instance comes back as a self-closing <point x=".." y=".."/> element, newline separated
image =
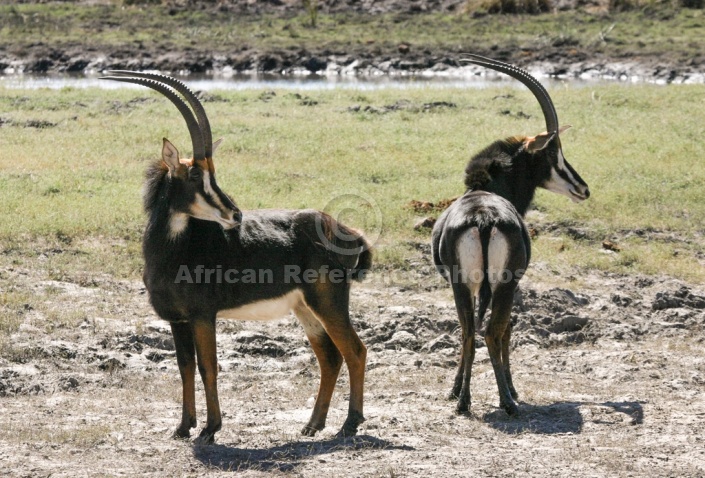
<point x="84" y="436"/>
<point x="13" y="306"/>
<point x="311" y="7"/>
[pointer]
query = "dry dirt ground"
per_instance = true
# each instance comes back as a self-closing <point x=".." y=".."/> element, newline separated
<point x="610" y="372"/>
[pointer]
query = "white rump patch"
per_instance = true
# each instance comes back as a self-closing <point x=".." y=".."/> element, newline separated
<point x="270" y="309"/>
<point x="497" y="258"/>
<point x="469" y="252"/>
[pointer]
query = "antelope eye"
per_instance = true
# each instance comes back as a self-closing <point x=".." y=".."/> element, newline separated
<point x="194" y="173"/>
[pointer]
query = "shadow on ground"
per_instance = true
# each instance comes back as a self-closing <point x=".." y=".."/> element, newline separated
<point x="285" y="457"/>
<point x="561" y="417"/>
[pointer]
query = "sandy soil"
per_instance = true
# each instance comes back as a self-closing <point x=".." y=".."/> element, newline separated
<point x="609" y="369"/>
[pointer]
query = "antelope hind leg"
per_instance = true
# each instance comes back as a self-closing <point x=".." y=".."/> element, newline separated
<point x="499" y="321"/>
<point x="505" y="361"/>
<point x="465" y="308"/>
<point x="329" y="362"/>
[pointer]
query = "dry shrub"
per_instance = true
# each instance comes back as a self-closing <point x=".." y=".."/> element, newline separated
<point x="625" y="5"/>
<point x="141" y="2"/>
<point x="508" y="6"/>
<point x="654" y="5"/>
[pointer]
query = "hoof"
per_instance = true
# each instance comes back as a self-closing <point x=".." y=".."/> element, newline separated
<point x="347" y="432"/>
<point x="184" y="430"/>
<point x="309" y="431"/>
<point x="205" y="438"/>
<point x="180" y="434"/>
<point x="350" y="426"/>
<point x="464" y="400"/>
<point x="511" y="408"/>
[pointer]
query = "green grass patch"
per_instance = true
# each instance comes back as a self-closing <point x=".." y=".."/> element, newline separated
<point x="649" y="29"/>
<point x="70" y="193"/>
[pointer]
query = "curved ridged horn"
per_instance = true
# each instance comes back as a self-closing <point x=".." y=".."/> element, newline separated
<point x="199" y="149"/>
<point x="549" y="112"/>
<point x="188" y="94"/>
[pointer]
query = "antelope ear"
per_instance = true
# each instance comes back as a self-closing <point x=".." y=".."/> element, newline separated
<point x="170" y="155"/>
<point x="216" y="144"/>
<point x="538" y="142"/>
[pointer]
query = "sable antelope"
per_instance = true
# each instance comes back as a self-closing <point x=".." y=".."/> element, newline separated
<point x="480" y="243"/>
<point x="263" y="264"/>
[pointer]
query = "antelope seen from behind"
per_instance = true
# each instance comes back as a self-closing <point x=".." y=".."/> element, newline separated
<point x="302" y="262"/>
<point x="480" y="243"/>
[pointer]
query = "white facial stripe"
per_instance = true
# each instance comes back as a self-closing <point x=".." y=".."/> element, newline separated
<point x="201" y="209"/>
<point x="558" y="184"/>
<point x="209" y="190"/>
<point x="561" y="161"/>
<point x="566" y="171"/>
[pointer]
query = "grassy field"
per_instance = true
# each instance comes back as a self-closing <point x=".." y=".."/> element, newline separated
<point x="88" y="380"/>
<point x="74" y="161"/>
<point x="645" y="32"/>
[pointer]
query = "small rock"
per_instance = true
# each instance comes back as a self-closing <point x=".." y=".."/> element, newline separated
<point x="441" y="342"/>
<point x="68" y="383"/>
<point x="569" y="323"/>
<point x="111" y="365"/>
<point x="403" y="339"/>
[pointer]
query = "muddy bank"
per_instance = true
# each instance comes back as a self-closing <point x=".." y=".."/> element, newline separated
<point x="552" y="62"/>
<point x="406" y="38"/>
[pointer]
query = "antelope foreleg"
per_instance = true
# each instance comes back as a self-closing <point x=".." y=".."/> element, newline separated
<point x="204" y="338"/>
<point x="186" y="358"/>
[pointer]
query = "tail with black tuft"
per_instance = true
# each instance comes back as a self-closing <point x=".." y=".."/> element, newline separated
<point x="347" y="247"/>
<point x="485" y="288"/>
<point x="364" y="260"/>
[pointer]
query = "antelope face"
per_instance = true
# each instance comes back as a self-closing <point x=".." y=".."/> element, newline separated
<point x="559" y="176"/>
<point x="195" y="193"/>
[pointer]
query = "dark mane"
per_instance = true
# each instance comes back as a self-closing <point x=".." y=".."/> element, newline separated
<point x="153" y="185"/>
<point x="506" y="168"/>
<point x="491" y="162"/>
